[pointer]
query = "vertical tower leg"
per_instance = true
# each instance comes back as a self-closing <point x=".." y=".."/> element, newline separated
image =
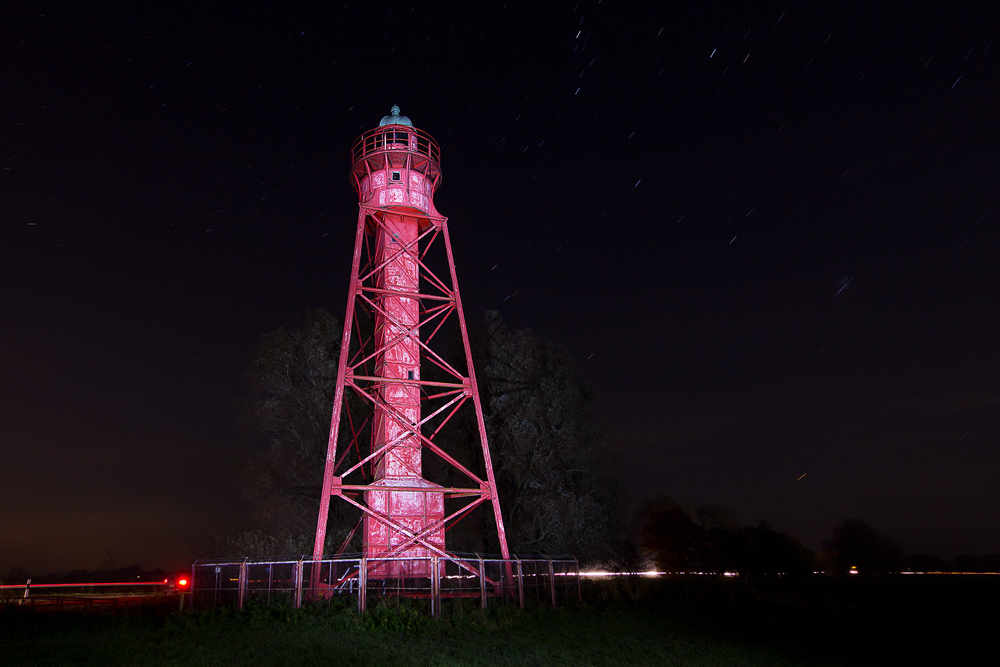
<point x="491" y="480"/>
<point x="338" y="396"/>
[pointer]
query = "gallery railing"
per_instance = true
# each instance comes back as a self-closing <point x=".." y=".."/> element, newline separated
<point x="518" y="580"/>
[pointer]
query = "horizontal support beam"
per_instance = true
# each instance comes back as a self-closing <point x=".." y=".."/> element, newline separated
<point x="419" y="383"/>
<point x="457" y="490"/>
<point x="408" y="295"/>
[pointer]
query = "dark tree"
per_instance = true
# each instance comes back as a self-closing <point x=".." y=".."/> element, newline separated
<point x="856" y="544"/>
<point x="291" y="380"/>
<point x="708" y="538"/>
<point x="555" y="475"/>
<point x="625" y="558"/>
<point x="976" y="563"/>
<point x="671" y="536"/>
<point x="768" y="552"/>
<point x="257" y="544"/>
<point x="926" y="563"/>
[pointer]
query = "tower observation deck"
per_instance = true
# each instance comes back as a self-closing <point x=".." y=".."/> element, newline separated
<point x="397" y="165"/>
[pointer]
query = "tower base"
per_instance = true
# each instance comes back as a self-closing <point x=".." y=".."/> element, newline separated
<point x="413" y="511"/>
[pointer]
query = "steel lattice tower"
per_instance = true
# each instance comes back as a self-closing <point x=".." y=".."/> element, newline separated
<point x="396" y="170"/>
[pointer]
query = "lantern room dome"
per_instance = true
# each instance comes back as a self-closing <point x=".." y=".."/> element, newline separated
<point x="394" y="118"/>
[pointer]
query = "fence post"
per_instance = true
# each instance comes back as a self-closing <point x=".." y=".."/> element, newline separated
<point x="191" y="602"/>
<point x="298" y="584"/>
<point x="241" y="585"/>
<point x="552" y="582"/>
<point x="362" y="584"/>
<point x="435" y="588"/>
<point x="520" y="583"/>
<point x="579" y="590"/>
<point x="482" y="582"/>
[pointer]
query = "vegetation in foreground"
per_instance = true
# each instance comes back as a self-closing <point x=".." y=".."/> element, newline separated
<point x="679" y="621"/>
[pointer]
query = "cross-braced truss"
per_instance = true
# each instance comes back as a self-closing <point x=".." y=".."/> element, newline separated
<point x="349" y="473"/>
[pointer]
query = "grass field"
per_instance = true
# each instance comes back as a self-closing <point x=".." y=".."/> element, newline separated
<point x="892" y="621"/>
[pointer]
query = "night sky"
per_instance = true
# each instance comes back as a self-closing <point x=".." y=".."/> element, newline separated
<point x="768" y="236"/>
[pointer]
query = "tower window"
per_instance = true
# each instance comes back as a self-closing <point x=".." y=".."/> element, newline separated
<point x="409" y="375"/>
<point x="396" y="177"/>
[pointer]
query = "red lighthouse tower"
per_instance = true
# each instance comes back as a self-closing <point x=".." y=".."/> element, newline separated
<point x="396" y="170"/>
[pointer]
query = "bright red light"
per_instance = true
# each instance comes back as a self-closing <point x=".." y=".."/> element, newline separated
<point x="182" y="582"/>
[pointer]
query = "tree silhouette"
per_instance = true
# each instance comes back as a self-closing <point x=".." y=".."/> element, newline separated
<point x="676" y="542"/>
<point x="291" y="380"/>
<point x="554" y="472"/>
<point x="708" y="538"/>
<point x="856" y="544"/>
